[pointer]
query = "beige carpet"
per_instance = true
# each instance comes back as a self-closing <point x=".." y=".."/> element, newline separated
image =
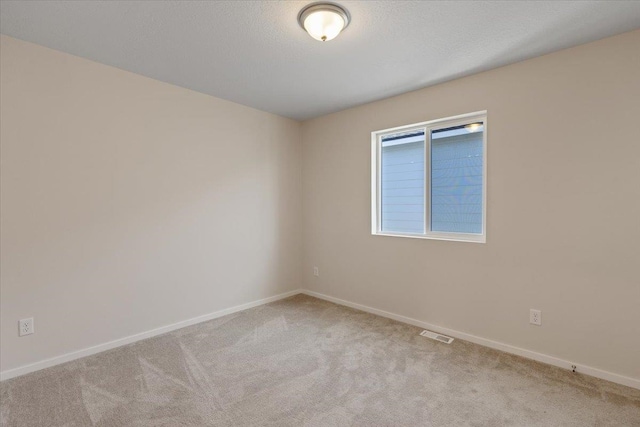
<point x="303" y="361"/>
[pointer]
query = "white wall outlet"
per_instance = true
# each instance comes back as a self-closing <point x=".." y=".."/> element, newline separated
<point x="316" y="272"/>
<point x="26" y="327"/>
<point x="535" y="317"/>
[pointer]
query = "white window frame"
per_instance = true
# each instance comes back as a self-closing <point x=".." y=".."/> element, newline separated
<point x="376" y="178"/>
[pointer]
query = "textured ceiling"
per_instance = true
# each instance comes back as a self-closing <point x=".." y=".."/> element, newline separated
<point x="254" y="52"/>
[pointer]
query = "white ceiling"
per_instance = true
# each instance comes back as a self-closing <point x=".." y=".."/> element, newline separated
<point x="254" y="52"/>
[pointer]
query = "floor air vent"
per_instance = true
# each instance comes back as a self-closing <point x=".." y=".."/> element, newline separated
<point x="442" y="338"/>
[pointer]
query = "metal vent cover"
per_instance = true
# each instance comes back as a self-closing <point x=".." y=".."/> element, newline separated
<point x="438" y="337"/>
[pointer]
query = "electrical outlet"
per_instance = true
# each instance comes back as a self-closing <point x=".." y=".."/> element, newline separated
<point x="535" y="317"/>
<point x="316" y="272"/>
<point x="26" y="326"/>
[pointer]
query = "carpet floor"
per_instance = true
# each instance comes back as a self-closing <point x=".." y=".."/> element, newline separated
<point x="304" y="361"/>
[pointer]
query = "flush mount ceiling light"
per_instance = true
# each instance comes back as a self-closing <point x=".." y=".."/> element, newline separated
<point x="323" y="21"/>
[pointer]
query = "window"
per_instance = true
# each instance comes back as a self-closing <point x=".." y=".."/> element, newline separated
<point x="429" y="179"/>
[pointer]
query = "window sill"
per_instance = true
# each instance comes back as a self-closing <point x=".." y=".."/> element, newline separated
<point x="452" y="237"/>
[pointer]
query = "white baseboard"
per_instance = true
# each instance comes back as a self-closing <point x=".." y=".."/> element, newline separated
<point x="587" y="370"/>
<point x="22" y="370"/>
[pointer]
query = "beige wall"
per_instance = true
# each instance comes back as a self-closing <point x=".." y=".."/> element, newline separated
<point x="563" y="216"/>
<point x="130" y="204"/>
